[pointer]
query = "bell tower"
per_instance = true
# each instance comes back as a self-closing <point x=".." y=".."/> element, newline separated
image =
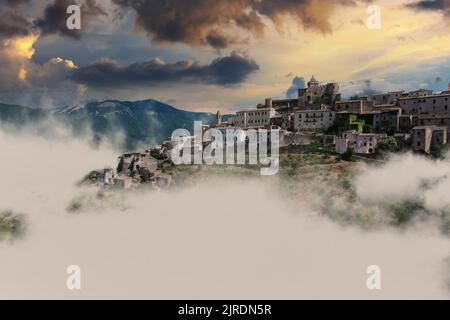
<point x="218" y="118"/>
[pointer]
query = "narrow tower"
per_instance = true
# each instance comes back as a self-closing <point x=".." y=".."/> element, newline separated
<point x="218" y="118"/>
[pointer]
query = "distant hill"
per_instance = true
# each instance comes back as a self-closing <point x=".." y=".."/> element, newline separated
<point x="148" y="121"/>
<point x="15" y="114"/>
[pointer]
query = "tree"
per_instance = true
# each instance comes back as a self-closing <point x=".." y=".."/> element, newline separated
<point x="388" y="144"/>
<point x="367" y="128"/>
<point x="441" y="151"/>
<point x="168" y="146"/>
<point x="318" y="100"/>
<point x="155" y="153"/>
<point x="347" y="155"/>
<point x="354" y="97"/>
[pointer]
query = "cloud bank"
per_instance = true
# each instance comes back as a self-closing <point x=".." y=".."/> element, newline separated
<point x="202" y="22"/>
<point x="212" y="240"/>
<point x="297" y="83"/>
<point x="223" y="71"/>
<point x="55" y="17"/>
<point x="432" y="5"/>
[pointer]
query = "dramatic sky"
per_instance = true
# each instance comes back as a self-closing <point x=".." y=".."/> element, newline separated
<point x="222" y="54"/>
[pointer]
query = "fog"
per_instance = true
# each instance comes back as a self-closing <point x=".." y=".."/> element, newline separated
<point x="219" y="239"/>
<point x="408" y="177"/>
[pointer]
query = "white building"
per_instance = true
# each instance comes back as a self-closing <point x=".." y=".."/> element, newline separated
<point x="107" y="178"/>
<point x="314" y="120"/>
<point x="254" y="118"/>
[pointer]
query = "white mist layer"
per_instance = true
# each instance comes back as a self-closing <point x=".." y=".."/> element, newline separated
<point x="221" y="239"/>
<point x="403" y="178"/>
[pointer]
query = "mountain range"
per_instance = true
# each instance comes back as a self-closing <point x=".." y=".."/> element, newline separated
<point x="140" y="122"/>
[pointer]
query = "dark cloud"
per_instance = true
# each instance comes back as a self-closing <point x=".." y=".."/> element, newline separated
<point x="13" y="3"/>
<point x="368" y="89"/>
<point x="365" y="88"/>
<point x="55" y="17"/>
<point x="297" y="83"/>
<point x="197" y="22"/>
<point x="217" y="40"/>
<point x="432" y="5"/>
<point x="224" y="71"/>
<point x="13" y="24"/>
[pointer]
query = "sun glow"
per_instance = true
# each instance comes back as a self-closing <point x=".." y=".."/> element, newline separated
<point x="23" y="46"/>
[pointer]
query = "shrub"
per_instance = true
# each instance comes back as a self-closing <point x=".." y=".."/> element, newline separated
<point x="168" y="146"/>
<point x="11" y="223"/>
<point x="388" y="144"/>
<point x="347" y="155"/>
<point x="155" y="153"/>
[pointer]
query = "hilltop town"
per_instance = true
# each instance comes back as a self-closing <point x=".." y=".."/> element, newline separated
<point x="360" y="126"/>
<point x="418" y="120"/>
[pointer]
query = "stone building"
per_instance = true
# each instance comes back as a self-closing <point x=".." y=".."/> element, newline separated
<point x="360" y="143"/>
<point x="387" y="119"/>
<point x="287" y="121"/>
<point x="437" y="103"/>
<point x="312" y="97"/>
<point x="428" y="138"/>
<point x="356" y="106"/>
<point x="107" y="177"/>
<point x="386" y="98"/>
<point x="128" y="161"/>
<point x="442" y="120"/>
<point x="254" y="118"/>
<point x="281" y="106"/>
<point x="313" y="120"/>
<point x="123" y="182"/>
<point x="316" y="93"/>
